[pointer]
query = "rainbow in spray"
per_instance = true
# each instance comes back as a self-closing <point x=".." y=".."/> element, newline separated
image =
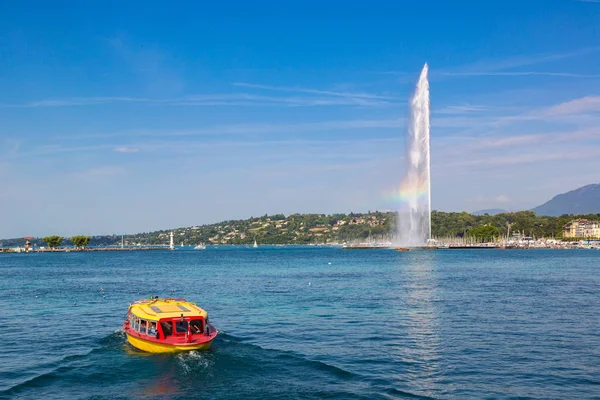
<point x="414" y="221"/>
<point x="407" y="192"/>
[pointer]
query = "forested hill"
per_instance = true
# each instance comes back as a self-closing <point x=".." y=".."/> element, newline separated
<point x="336" y="228"/>
<point x="458" y="224"/>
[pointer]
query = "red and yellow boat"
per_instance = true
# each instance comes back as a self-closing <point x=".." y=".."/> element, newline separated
<point x="168" y="325"/>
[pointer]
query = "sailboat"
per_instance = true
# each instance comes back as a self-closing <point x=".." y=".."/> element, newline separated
<point x="255" y="245"/>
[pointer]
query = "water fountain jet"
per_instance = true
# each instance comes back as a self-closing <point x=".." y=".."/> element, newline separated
<point x="414" y="219"/>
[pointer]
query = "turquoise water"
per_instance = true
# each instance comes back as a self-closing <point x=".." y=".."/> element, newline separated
<point x="308" y="323"/>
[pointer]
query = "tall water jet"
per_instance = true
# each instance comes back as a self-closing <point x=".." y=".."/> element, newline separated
<point x="414" y="220"/>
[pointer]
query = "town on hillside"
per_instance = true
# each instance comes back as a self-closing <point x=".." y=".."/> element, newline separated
<point x="372" y="227"/>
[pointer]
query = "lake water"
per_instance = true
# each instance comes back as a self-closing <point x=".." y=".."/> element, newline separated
<point x="308" y="323"/>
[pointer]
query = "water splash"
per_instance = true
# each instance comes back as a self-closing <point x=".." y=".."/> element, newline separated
<point x="414" y="221"/>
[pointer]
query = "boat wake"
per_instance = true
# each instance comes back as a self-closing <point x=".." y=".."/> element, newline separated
<point x="232" y="368"/>
<point x="195" y="361"/>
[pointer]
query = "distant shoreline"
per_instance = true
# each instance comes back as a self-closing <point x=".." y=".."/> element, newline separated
<point x="566" y="246"/>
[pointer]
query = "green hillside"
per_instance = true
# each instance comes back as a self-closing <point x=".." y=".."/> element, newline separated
<point x="335" y="228"/>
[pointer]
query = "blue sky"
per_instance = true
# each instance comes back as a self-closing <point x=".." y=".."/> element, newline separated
<point x="136" y="116"/>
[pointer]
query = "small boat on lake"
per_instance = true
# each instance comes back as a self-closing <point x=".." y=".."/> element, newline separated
<point x="168" y="325"/>
<point x="255" y="245"/>
<point x="200" y="247"/>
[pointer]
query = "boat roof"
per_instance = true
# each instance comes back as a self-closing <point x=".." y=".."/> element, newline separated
<point x="156" y="309"/>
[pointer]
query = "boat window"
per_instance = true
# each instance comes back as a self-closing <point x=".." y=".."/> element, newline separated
<point x="196" y="326"/>
<point x="167" y="327"/>
<point x="136" y="324"/>
<point x="143" y="326"/>
<point x="181" y="326"/>
<point x="152" y="329"/>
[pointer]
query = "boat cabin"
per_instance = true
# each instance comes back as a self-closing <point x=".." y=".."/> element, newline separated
<point x="167" y="320"/>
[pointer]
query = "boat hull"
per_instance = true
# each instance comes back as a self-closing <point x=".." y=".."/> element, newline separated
<point x="155" y="347"/>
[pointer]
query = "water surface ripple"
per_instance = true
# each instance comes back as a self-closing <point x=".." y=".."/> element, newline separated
<point x="308" y="323"/>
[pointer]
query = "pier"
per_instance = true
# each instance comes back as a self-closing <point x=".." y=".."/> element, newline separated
<point x="84" y="250"/>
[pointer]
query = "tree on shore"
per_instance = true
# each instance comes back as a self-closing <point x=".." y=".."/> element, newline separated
<point x="80" y="241"/>
<point x="484" y="233"/>
<point x="53" y="241"/>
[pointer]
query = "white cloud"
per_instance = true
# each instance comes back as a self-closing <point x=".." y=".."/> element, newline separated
<point x="126" y="149"/>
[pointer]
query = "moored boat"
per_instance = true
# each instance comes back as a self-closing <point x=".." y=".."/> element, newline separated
<point x="168" y="325"/>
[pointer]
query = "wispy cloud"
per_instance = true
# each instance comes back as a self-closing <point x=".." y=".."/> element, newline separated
<point x="510" y="141"/>
<point x="577" y="106"/>
<point x="99" y="172"/>
<point x="529" y="158"/>
<point x="155" y="69"/>
<point x="244" y="99"/>
<point x="212" y="100"/>
<point x="126" y="149"/>
<point x="497" y="141"/>
<point x="251" y="129"/>
<point x="582" y="111"/>
<point x="520" y="73"/>
<point x="498" y="65"/>
<point x="470" y="109"/>
<point x="80" y="101"/>
<point x="243" y="129"/>
<point x="300" y="144"/>
<point x="312" y="91"/>
<point x="56" y="149"/>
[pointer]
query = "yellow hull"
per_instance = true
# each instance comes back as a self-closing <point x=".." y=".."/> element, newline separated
<point x="152" y="347"/>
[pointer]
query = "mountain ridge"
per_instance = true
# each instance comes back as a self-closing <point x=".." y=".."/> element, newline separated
<point x="584" y="200"/>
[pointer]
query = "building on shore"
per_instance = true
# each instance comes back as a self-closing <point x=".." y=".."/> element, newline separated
<point x="581" y="228"/>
